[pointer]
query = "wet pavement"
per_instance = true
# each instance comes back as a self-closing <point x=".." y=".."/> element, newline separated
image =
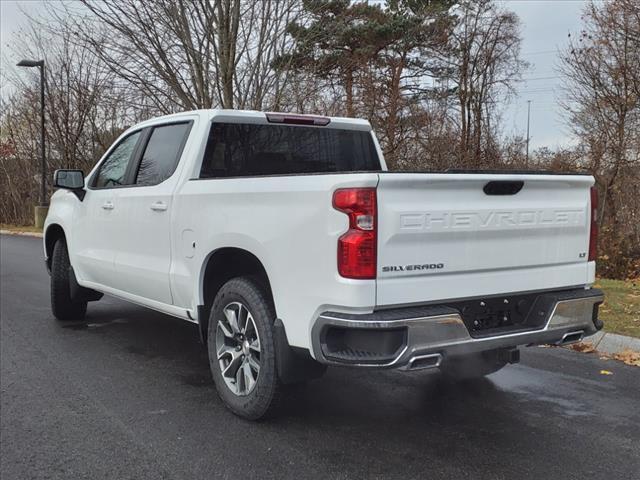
<point x="128" y="394"/>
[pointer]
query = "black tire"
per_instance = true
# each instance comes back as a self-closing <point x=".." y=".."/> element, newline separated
<point x="262" y="398"/>
<point x="472" y="366"/>
<point x="62" y="306"/>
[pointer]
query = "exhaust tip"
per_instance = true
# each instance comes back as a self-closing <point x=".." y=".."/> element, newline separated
<point x="571" y="337"/>
<point x="421" y="362"/>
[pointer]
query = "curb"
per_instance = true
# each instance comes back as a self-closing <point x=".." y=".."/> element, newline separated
<point x="21" y="234"/>
<point x="612" y="343"/>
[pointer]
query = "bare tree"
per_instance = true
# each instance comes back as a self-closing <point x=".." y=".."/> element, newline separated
<point x="603" y="109"/>
<point x="262" y="38"/>
<point x="80" y="102"/>
<point x="482" y="62"/>
<point x="188" y="54"/>
<point x="603" y="73"/>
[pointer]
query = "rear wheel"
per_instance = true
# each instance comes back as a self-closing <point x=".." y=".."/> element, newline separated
<point x="242" y="349"/>
<point x="472" y="366"/>
<point x="62" y="305"/>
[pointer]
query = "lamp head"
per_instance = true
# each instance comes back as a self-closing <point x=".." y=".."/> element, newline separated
<point x="31" y="63"/>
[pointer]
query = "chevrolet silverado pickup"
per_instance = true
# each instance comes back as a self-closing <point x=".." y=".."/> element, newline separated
<point x="290" y="245"/>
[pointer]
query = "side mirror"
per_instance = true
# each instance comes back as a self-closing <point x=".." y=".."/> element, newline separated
<point x="71" y="180"/>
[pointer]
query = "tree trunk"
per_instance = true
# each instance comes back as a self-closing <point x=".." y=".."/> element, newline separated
<point x="348" y="86"/>
<point x="393" y="112"/>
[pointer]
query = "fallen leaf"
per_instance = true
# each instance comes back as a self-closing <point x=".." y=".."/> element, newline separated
<point x="629" y="357"/>
<point x="605" y="372"/>
<point x="584" y="347"/>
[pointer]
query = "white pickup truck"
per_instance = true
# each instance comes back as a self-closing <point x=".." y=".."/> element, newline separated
<point x="287" y="242"/>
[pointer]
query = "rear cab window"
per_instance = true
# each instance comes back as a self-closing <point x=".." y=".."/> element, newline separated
<point x="237" y="150"/>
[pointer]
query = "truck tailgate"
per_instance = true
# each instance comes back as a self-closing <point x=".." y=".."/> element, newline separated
<point x="451" y="235"/>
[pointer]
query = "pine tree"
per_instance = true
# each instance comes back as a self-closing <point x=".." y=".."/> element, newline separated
<point x="340" y="39"/>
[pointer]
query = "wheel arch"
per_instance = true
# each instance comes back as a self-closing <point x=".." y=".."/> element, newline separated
<point x="220" y="266"/>
<point x="52" y="234"/>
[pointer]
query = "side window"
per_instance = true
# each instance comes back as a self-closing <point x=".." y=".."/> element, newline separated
<point x="113" y="170"/>
<point x="162" y="153"/>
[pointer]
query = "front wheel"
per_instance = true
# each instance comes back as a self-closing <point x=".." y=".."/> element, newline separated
<point x="62" y="305"/>
<point x="242" y="349"/>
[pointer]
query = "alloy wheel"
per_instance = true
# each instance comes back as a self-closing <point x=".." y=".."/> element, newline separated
<point x="238" y="348"/>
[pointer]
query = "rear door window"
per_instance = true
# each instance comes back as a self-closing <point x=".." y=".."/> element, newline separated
<point x="162" y="153"/>
<point x="236" y="150"/>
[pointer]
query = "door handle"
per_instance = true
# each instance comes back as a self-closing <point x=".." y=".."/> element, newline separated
<point x="159" y="206"/>
<point x="107" y="206"/>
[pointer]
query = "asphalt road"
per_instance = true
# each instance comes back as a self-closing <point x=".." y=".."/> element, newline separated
<point x="128" y="395"/>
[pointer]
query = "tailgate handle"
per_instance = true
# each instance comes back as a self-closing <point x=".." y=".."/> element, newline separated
<point x="503" y="187"/>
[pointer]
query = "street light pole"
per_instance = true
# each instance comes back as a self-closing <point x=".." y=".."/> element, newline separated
<point x="528" y="118"/>
<point x="43" y="163"/>
<point x="41" y="210"/>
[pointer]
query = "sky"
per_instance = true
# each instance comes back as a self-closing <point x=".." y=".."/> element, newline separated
<point x="545" y="26"/>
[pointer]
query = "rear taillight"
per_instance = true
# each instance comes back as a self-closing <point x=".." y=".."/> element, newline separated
<point x="358" y="246"/>
<point x="593" y="232"/>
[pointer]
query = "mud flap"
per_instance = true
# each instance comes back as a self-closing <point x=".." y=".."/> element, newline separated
<point x="294" y="364"/>
<point x="79" y="293"/>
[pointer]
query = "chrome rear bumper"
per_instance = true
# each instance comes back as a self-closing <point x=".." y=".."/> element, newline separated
<point x="424" y="337"/>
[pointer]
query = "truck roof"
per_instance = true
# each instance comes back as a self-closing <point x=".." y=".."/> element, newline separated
<point x="254" y="116"/>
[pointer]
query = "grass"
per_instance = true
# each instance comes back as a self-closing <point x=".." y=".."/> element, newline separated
<point x="621" y="308"/>
<point x="20" y="228"/>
